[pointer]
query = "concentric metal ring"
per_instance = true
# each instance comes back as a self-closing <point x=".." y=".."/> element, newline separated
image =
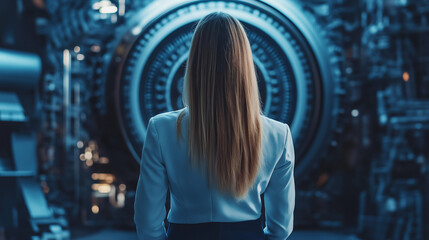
<point x="293" y="77"/>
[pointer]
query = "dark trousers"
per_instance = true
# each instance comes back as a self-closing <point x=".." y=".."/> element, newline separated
<point x="246" y="230"/>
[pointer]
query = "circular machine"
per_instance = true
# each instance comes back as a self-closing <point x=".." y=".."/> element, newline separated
<point x="293" y="67"/>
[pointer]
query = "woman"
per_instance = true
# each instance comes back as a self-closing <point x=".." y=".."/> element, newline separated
<point x="219" y="153"/>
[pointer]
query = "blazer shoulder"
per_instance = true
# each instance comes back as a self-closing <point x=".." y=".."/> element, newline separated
<point x="166" y="116"/>
<point x="273" y="122"/>
<point x="276" y="131"/>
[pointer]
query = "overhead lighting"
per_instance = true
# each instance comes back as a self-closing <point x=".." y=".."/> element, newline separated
<point x="95" y="209"/>
<point x="95" y="48"/>
<point x="121" y="7"/>
<point x="101" y="187"/>
<point x="104" y="188"/>
<point x="89" y="163"/>
<point x="104" y="160"/>
<point x="79" y="144"/>
<point x="88" y="155"/>
<point x="108" y="9"/>
<point x="100" y="4"/>
<point x="80" y="57"/>
<point x="136" y="30"/>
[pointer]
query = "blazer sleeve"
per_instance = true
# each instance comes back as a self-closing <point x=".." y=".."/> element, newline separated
<point x="279" y="195"/>
<point x="152" y="186"/>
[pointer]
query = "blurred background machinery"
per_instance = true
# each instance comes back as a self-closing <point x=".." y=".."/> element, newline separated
<point x="79" y="81"/>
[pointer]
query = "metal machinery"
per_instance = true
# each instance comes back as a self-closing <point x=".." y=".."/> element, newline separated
<point x="20" y="73"/>
<point x="395" y="37"/>
<point x="348" y="76"/>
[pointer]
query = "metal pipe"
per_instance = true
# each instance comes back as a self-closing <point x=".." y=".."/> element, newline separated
<point x="19" y="70"/>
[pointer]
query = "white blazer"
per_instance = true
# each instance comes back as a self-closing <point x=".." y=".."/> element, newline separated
<point x="165" y="165"/>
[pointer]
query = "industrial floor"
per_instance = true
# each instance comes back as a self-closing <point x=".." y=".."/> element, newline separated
<point x="109" y="234"/>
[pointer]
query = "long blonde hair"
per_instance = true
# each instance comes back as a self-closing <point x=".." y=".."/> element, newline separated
<point x="221" y="92"/>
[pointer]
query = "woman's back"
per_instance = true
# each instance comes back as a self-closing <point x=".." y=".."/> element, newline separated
<point x="219" y="153"/>
<point x="193" y="200"/>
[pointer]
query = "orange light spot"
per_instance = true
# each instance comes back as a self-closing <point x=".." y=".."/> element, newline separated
<point x="406" y="76"/>
<point x="323" y="178"/>
<point x="95" y="209"/>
